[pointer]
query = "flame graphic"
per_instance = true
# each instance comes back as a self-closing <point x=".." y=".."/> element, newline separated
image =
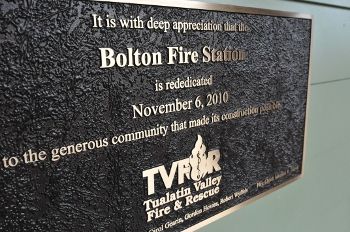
<point x="198" y="160"/>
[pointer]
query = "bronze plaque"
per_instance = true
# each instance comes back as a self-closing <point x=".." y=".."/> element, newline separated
<point x="133" y="117"/>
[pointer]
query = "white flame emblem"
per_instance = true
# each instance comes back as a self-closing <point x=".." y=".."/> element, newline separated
<point x="198" y="160"/>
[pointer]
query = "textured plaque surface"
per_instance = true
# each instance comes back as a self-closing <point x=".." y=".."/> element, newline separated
<point x="135" y="147"/>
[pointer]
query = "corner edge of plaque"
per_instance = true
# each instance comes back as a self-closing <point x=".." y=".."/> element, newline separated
<point x="241" y="205"/>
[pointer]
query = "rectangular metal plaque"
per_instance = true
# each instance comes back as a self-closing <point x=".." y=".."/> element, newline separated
<point x="139" y="117"/>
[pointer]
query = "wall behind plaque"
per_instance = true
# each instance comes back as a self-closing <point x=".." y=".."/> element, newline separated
<point x="321" y="200"/>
